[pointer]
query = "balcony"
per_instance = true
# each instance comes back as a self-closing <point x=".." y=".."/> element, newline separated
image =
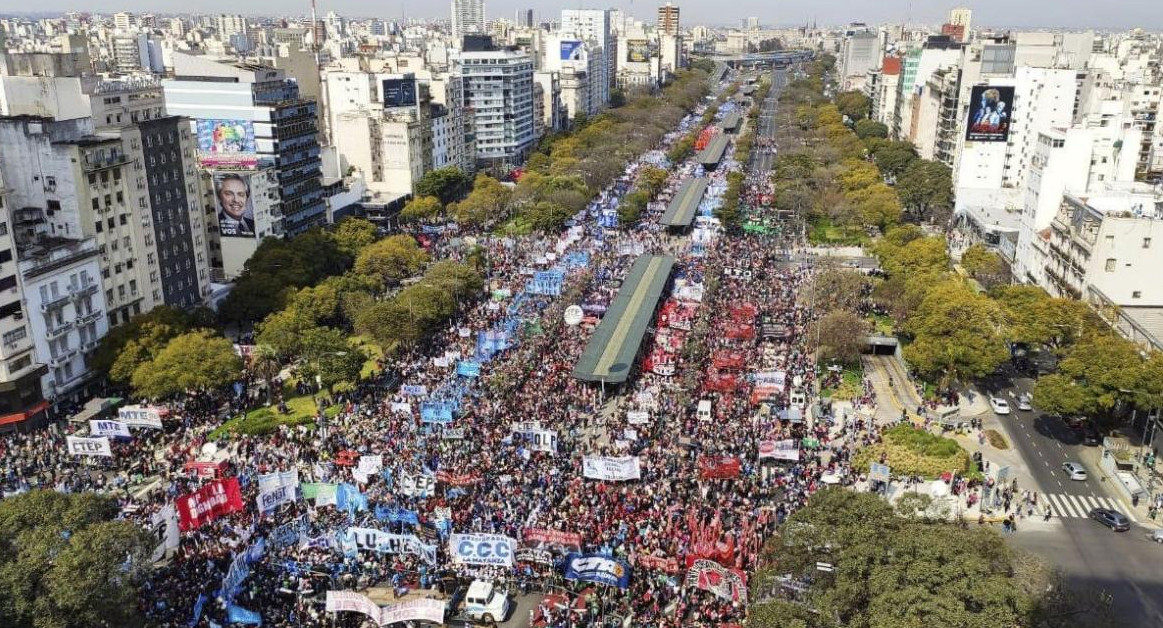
<point x="85" y="319"/>
<point x="57" y="331"/>
<point x="94" y="164"/>
<point x="80" y="292"/>
<point x="54" y="303"/>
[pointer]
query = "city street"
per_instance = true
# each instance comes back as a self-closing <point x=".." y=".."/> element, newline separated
<point x="1124" y="565"/>
<point x="762" y="160"/>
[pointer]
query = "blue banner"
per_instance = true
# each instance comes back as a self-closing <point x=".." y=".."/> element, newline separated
<point x="468" y="368"/>
<point x="435" y="412"/>
<point x="348" y="497"/>
<point x="198" y="609"/>
<point x="240" y="615"/>
<point x="597" y="568"/>
<point x="393" y="514"/>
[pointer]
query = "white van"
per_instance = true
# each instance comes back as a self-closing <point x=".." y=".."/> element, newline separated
<point x="704" y="411"/>
<point x="798" y="398"/>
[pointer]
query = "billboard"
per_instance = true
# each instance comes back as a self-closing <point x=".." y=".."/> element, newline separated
<point x="225" y="137"/>
<point x="572" y="50"/>
<point x="234" y="204"/>
<point x="990" y="110"/>
<point x="399" y="92"/>
<point x="637" y="50"/>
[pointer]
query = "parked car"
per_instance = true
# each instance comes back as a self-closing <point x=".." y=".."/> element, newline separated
<point x="1091" y="437"/>
<point x="1024" y="402"/>
<point x="1074" y="470"/>
<point x="1112" y="519"/>
<point x="999" y="405"/>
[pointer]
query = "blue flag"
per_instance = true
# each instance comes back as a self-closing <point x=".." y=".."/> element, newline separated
<point x="240" y="615"/>
<point x="198" y="609"/>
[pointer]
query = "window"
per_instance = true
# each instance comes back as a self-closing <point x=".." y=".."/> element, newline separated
<point x="1136" y="294"/>
<point x="1110" y="264"/>
<point x="5" y="256"/>
<point x="8" y="283"/>
<point x="1146" y="243"/>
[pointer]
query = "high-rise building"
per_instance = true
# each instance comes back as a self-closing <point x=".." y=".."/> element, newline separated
<point x="593" y="26"/>
<point x="668" y="20"/>
<point x="248" y="118"/>
<point x="124" y="21"/>
<point x="524" y="18"/>
<point x="961" y="16"/>
<point x="468" y="18"/>
<point x="498" y="87"/>
<point x="21" y="401"/>
<point x="229" y="25"/>
<point x="751" y="23"/>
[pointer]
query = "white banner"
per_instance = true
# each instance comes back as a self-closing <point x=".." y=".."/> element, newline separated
<point x="140" y="416"/>
<point x="370" y="464"/>
<point x="351" y="601"/>
<point x="452" y="433"/>
<point x="272" y="481"/>
<point x="418" y="485"/>
<point x="431" y="611"/>
<point x="482" y="549"/>
<point x="98" y="446"/>
<point x="771" y="377"/>
<point x="270" y="500"/>
<point x="106" y="427"/>
<point x="786" y="449"/>
<point x="537" y="439"/>
<point x="388" y="543"/>
<point x="611" y="468"/>
<point x="163" y="526"/>
<point x="638" y="417"/>
<point x="276" y="489"/>
<point x="402" y="406"/>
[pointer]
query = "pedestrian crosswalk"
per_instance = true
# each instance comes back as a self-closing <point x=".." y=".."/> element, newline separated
<point x="1076" y="506"/>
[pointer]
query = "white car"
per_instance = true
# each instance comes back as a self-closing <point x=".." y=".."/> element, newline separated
<point x="1024" y="402"/>
<point x="1074" y="470"/>
<point x="999" y="405"/>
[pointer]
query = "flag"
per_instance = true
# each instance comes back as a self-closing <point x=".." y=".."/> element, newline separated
<point x="240" y="615"/>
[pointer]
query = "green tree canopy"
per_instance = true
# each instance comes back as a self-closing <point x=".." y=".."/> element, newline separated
<point x="855" y="105"/>
<point x="421" y="208"/>
<point x="329" y="358"/>
<point x="1099" y="374"/>
<point x="353" y="234"/>
<point x="199" y="360"/>
<point x="985" y="266"/>
<point x="870" y="128"/>
<point x="894" y="157"/>
<point x="926" y="188"/>
<point x="126" y="346"/>
<point x="843" y="335"/>
<point x="65" y="562"/>
<point x="392" y="259"/>
<point x="488" y="202"/>
<point x="958" y="334"/>
<point x="276" y="269"/>
<point x="448" y="184"/>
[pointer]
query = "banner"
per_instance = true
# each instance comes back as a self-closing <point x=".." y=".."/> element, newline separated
<point x="240" y="615"/>
<point x="533" y="555"/>
<point x="545" y="536"/>
<point x="402" y="406"/>
<point x="388" y="543"/>
<point x="323" y="494"/>
<point x="349" y="498"/>
<point x="105" y="427"/>
<point x="270" y="500"/>
<point x="468" y="368"/>
<point x="98" y="446"/>
<point x="276" y="489"/>
<point x="371" y="464"/>
<point x="990" y="111"/>
<point x="539" y="440"/>
<point x="163" y="526"/>
<point x="452" y="433"/>
<point x="457" y="479"/>
<point x="289" y="533"/>
<point x="435" y="412"/>
<point x="414" y="390"/>
<point x="611" y="468"/>
<point x="708" y="575"/>
<point x="596" y="568"/>
<point x="271" y="481"/>
<point x="426" y="610"/>
<point x="668" y="564"/>
<point x="638" y="417"/>
<point x="482" y="549"/>
<point x="220" y="497"/>
<point x="140" y="416"/>
<point x="417" y="485"/>
<point x="719" y="468"/>
<point x="786" y="449"/>
<point x="350" y="601"/>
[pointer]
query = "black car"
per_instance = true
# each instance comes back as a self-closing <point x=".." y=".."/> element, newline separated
<point x="1112" y="519"/>
<point x="1091" y="437"/>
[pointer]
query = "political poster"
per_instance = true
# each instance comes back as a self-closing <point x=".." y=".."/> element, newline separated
<point x="416" y="485"/>
<point x="708" y="575"/>
<point x="435" y="412"/>
<point x="610" y="468"/>
<point x="457" y="479"/>
<point x="572" y="50"/>
<point x="597" y="568"/>
<point x="268" y="501"/>
<point x="106" y="427"/>
<point x="350" y="601"/>
<point x="80" y="446"/>
<point x="220" y="497"/>
<point x="990" y="110"/>
<point x="163" y="526"/>
<point x="468" y="368"/>
<point x="388" y="543"/>
<point x="533" y="555"/>
<point x="452" y="433"/>
<point x="719" y="468"/>
<point x="230" y="137"/>
<point x="235" y="205"/>
<point x="545" y="536"/>
<point x="482" y="549"/>
<point x="140" y="416"/>
<point x="638" y="417"/>
<point x="414" y="390"/>
<point x="539" y="439"/>
<point x="667" y="564"/>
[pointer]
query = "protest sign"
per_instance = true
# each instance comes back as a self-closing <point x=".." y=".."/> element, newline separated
<point x="220" y="497"/>
<point x="482" y="549"/>
<point x="98" y="446"/>
<point x="610" y="468"/>
<point x="140" y="416"/>
<point x="105" y="427"/>
<point x="708" y="575"/>
<point x="597" y="568"/>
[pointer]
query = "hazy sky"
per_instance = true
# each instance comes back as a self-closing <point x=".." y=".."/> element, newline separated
<point x="1113" y="14"/>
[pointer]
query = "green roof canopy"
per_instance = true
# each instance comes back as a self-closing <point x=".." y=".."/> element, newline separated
<point x="713" y="153"/>
<point x="682" y="208"/>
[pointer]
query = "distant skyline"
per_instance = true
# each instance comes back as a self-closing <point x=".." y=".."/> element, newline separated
<point x="1076" y="14"/>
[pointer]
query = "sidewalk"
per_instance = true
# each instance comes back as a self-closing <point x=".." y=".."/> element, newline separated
<point x="1091" y="457"/>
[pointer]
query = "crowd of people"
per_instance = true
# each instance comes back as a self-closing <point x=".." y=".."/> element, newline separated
<point x="458" y="420"/>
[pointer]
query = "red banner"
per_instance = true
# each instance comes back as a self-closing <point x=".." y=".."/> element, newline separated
<point x="553" y="537"/>
<point x="708" y="575"/>
<point x="727" y="360"/>
<point x="220" y="497"/>
<point x="206" y="468"/>
<point x="718" y="468"/>
<point x="721" y="382"/>
<point x="736" y="331"/>
<point x="667" y="564"/>
<point x="457" y="479"/>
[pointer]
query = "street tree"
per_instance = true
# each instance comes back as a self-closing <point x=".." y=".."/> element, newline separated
<point x="926" y="189"/>
<point x="67" y="562"/>
<point x="1104" y="373"/>
<point x="957" y="334"/>
<point x="986" y="266"/>
<point x="421" y="208"/>
<point x="392" y="259"/>
<point x="877" y="205"/>
<point x="870" y="128"/>
<point x="842" y="336"/>
<point x="856" y="105"/>
<point x="196" y="361"/>
<point x="488" y="202"/>
<point x="330" y="359"/>
<point x="126" y="346"/>
<point x="448" y="184"/>
<point x="894" y="157"/>
<point x="1037" y="318"/>
<point x="838" y="289"/>
<point x="353" y="234"/>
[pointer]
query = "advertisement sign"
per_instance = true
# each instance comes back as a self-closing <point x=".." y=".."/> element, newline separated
<point x="611" y="468"/>
<point x="399" y="92"/>
<point x="234" y="205"/>
<point x="225" y="137"/>
<point x="104" y="427"/>
<point x="596" y="568"/>
<point x="708" y="575"/>
<point x="140" y="416"/>
<point x="572" y="51"/>
<point x="990" y="110"/>
<point x="220" y="497"/>
<point x="545" y="536"/>
<point x="482" y="549"/>
<point x="637" y="50"/>
<point x="98" y="446"/>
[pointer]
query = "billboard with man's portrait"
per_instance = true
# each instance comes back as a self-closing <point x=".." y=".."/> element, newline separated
<point x="234" y="204"/>
<point x="637" y="50"/>
<point x="990" y="110"/>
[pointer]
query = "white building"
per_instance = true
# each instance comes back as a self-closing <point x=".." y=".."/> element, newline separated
<point x="498" y="87"/>
<point x="21" y="400"/>
<point x="860" y="52"/>
<point x="468" y="18"/>
<point x="593" y="26"/>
